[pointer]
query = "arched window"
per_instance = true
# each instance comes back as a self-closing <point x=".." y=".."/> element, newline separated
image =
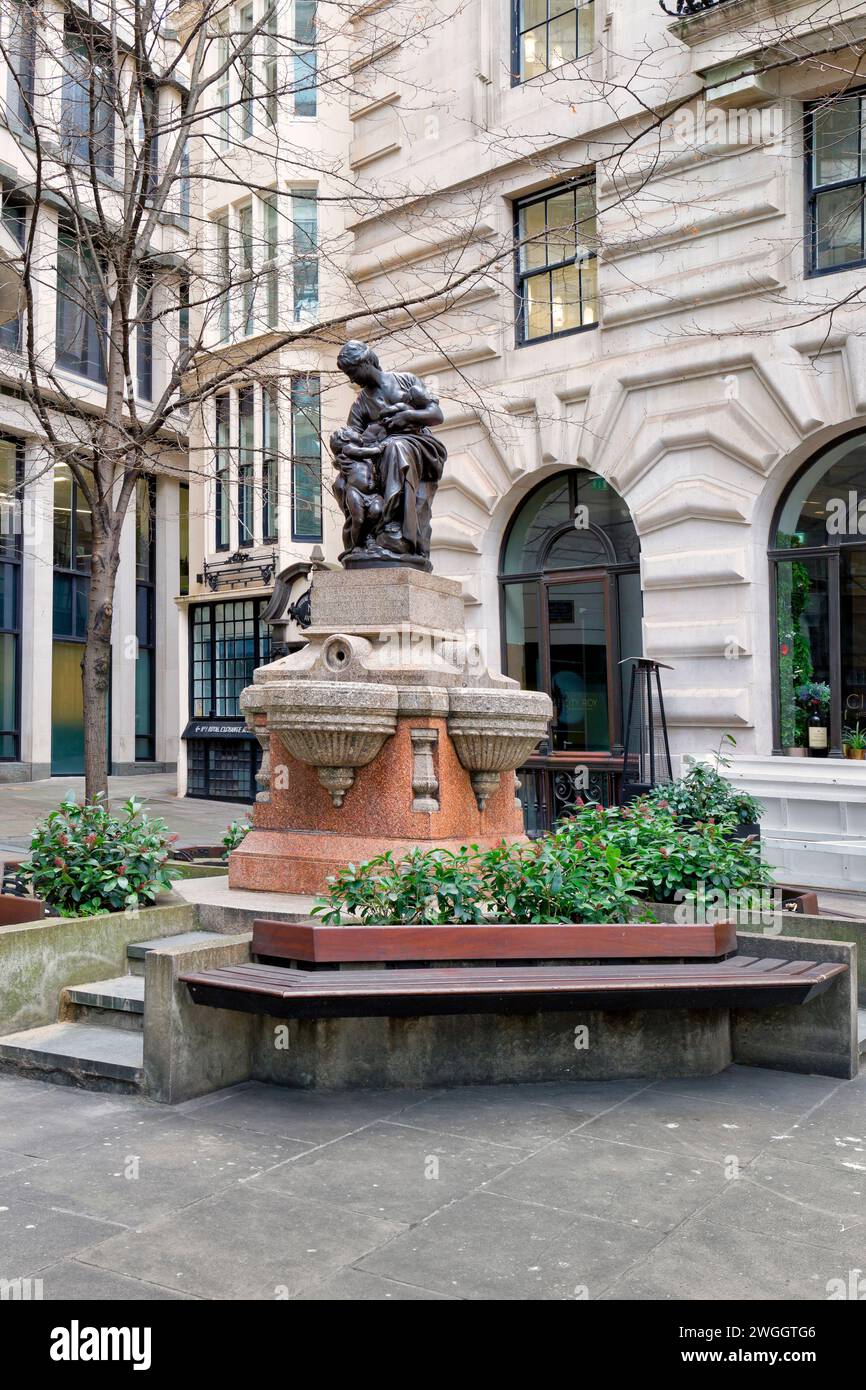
<point x="818" y="591"/>
<point x="571" y="612"/>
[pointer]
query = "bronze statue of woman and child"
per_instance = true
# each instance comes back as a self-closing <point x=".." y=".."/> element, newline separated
<point x="388" y="464"/>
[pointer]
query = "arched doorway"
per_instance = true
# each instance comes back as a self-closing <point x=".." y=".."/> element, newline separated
<point x="570" y="604"/>
<point x="818" y="594"/>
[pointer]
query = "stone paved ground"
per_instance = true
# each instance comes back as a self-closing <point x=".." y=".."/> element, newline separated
<point x="624" y="1189"/>
<point x="195" y="821"/>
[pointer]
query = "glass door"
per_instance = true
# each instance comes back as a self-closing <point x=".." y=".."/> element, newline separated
<point x="579" y="661"/>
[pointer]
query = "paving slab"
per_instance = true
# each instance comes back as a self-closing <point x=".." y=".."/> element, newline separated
<point x="313" y="1117"/>
<point x="33" y="1234"/>
<point x="122" y="1179"/>
<point x="245" y="1243"/>
<point x="778" y="1197"/>
<point x="391" y="1171"/>
<point x="539" y="1253"/>
<point x="71" y="1281"/>
<point x="706" y="1260"/>
<point x="691" y="1126"/>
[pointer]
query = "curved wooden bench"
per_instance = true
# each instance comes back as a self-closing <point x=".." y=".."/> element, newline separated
<point x="741" y="982"/>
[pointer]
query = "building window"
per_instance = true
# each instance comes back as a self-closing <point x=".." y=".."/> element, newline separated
<point x="245" y="239"/>
<point x="306" y="460"/>
<point x="556" y="262"/>
<point x="270" y="268"/>
<point x="270" y="463"/>
<point x="223" y="279"/>
<point x="836" y="169"/>
<point x="228" y="641"/>
<point x="271" y="67"/>
<point x="571" y="612"/>
<point x="305" y="254"/>
<point x="246" y="72"/>
<point x="222" y="94"/>
<point x="144" y="336"/>
<point x="145" y="624"/>
<point x="222" y="471"/>
<point x="304" y="58"/>
<point x="11" y="487"/>
<point x="72" y="549"/>
<point x="183" y="538"/>
<point x="548" y="33"/>
<point x="21" y="51"/>
<point x="88" y="96"/>
<point x="81" y="310"/>
<point x="818" y="589"/>
<point x="14" y="217"/>
<point x="246" y="456"/>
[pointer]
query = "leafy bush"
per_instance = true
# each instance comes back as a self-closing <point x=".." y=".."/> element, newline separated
<point x="557" y="879"/>
<point x="84" y="860"/>
<point x="666" y="855"/>
<point x="704" y="795"/>
<point x="235" y="833"/>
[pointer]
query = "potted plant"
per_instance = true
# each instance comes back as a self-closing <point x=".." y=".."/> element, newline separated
<point x="813" y="717"/>
<point x="854" y="740"/>
<point x="703" y="794"/>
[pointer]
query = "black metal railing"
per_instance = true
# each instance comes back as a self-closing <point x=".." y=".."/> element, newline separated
<point x="551" y="789"/>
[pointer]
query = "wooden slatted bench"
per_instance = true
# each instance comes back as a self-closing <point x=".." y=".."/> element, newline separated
<point x="657" y="975"/>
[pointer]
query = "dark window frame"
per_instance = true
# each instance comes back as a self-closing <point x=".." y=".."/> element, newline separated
<point x="836" y="546"/>
<point x="146" y="589"/>
<point x="812" y="190"/>
<point x="222" y="474"/>
<point x="80" y="364"/>
<point x="11" y="558"/>
<point x="521" y="276"/>
<point x="517" y="78"/>
<point x="545" y="580"/>
<point x="300" y="460"/>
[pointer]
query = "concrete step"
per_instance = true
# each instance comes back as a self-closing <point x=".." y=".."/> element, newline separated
<point x="77" y="1054"/>
<point x="861" y="1030"/>
<point x="136" y="953"/>
<point x="117" y="1003"/>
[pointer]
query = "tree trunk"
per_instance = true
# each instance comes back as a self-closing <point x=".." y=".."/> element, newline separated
<point x="96" y="664"/>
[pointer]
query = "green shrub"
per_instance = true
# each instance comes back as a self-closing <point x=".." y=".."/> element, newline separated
<point x="666" y="855"/>
<point x="557" y="879"/>
<point x="235" y="833"/>
<point x="703" y="795"/>
<point x="84" y="860"/>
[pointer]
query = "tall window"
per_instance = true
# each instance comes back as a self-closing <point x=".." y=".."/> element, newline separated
<point x="222" y="95"/>
<point x="222" y="471"/>
<point x="556" y="262"/>
<point x="183" y="543"/>
<point x="271" y="67"/>
<point x="246" y="456"/>
<point x="13" y="212"/>
<point x="72" y="548"/>
<point x="246" y="72"/>
<point x="227" y="642"/>
<point x="818" y="584"/>
<point x="144" y="336"/>
<point x="548" y="33"/>
<point x="270" y="463"/>
<point x="270" y="268"/>
<point x="306" y="460"/>
<point x="305" y="254"/>
<point x="21" y="48"/>
<point x="11" y="479"/>
<point x="145" y="624"/>
<point x="81" y="310"/>
<point x="223" y="278"/>
<point x="88" y="99"/>
<point x="836" y="163"/>
<point x="304" y="58"/>
<point x="245" y="238"/>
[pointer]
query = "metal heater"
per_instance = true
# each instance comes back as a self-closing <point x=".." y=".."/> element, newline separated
<point x="646" y="757"/>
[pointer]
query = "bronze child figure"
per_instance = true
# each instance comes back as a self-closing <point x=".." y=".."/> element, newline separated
<point x="357" y="487"/>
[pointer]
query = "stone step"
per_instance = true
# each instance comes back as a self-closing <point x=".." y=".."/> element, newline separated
<point x="117" y="1003"/>
<point x="136" y="952"/>
<point x="77" y="1054"/>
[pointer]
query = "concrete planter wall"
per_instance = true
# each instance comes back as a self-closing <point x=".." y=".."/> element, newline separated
<point x="39" y="959"/>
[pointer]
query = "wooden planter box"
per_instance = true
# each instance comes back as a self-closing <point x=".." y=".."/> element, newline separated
<point x="15" y="911"/>
<point x="318" y="944"/>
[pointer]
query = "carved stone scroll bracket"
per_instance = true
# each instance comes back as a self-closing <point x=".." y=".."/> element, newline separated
<point x="425" y="783"/>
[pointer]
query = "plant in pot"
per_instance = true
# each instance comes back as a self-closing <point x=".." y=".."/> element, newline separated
<point x="704" y="795"/>
<point x="854" y="740"/>
<point x="813" y="707"/>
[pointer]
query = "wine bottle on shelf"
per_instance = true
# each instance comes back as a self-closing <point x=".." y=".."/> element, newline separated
<point x="817" y="732"/>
